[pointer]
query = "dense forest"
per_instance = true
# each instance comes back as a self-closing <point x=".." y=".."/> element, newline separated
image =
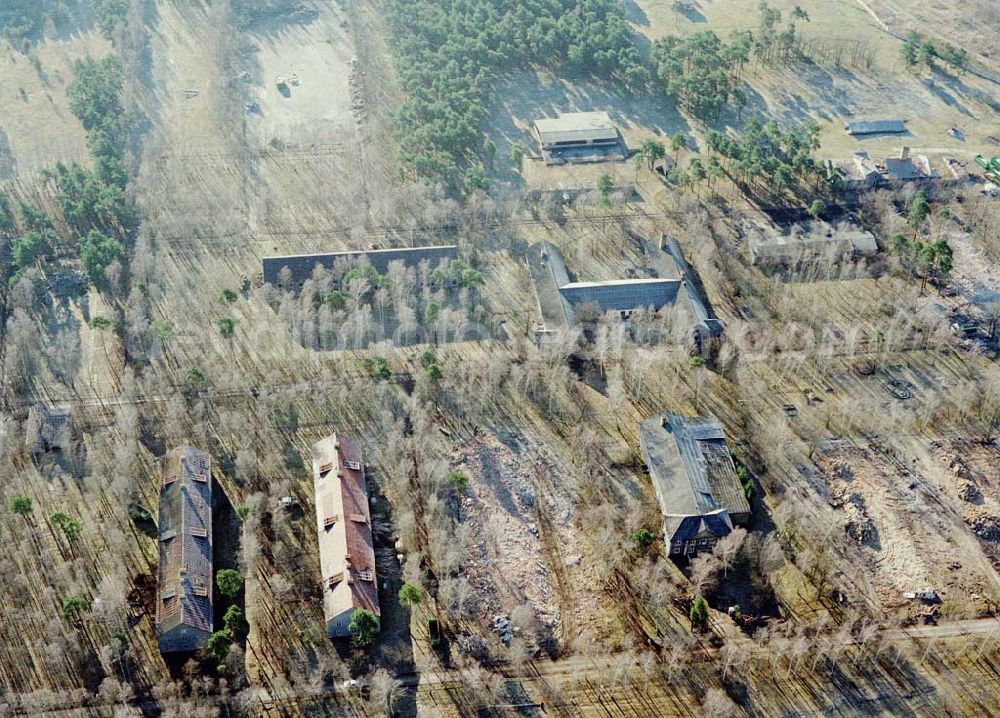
<point x="23" y="20"/>
<point x="450" y="51"/>
<point x="768" y="162"/>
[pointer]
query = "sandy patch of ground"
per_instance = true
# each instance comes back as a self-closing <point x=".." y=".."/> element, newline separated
<point x="902" y="529"/>
<point x="36" y="127"/>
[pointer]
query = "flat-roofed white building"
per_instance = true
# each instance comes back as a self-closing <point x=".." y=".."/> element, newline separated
<point x="579" y="137"/>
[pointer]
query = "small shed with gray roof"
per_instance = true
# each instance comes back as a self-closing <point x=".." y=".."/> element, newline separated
<point x="694" y="477"/>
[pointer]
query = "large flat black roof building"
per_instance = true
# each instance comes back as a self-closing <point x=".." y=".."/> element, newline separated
<point x="694" y="477"/>
<point x="301" y="266"/>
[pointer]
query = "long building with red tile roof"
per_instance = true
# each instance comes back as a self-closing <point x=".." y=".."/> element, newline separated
<point x="343" y="521"/>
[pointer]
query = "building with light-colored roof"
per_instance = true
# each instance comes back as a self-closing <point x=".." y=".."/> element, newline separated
<point x="812" y="241"/>
<point x="343" y="523"/>
<point x="857" y="172"/>
<point x="579" y="137"/>
<point x="694" y="478"/>
<point x="184" y="585"/>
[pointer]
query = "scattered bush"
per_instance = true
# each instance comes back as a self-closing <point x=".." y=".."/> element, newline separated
<point x="644" y="537"/>
<point x="73" y="606"/>
<point x="218" y="644"/>
<point x="230" y="582"/>
<point x="364" y="626"/>
<point x="21" y="505"/>
<point x="699" y="611"/>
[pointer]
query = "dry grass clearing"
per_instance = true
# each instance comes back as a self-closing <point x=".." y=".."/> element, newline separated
<point x="930" y="103"/>
<point x="36" y="127"/>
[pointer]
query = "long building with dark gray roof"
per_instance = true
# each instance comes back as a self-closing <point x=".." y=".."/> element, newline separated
<point x="694" y="477"/>
<point x="292" y="270"/>
<point x="560" y="299"/>
<point x="875" y="127"/>
<point x="184" y="586"/>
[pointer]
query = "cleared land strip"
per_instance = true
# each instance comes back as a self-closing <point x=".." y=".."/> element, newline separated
<point x="585" y="670"/>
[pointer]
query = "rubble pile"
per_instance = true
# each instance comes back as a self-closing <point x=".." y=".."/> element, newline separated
<point x="857" y="523"/>
<point x="984" y="524"/>
<point x="505" y="565"/>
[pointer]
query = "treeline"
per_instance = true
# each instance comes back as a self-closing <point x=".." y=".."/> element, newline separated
<point x="702" y="72"/>
<point x="449" y="53"/>
<point x="770" y="163"/>
<point x="248" y="12"/>
<point x="21" y="20"/>
<point x="920" y="51"/>
<point x="96" y="219"/>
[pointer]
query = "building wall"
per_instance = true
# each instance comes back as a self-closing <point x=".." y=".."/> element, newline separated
<point x="337" y="626"/>
<point x="692" y="547"/>
<point x="183" y="639"/>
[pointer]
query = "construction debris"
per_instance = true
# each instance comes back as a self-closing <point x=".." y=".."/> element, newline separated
<point x="983" y="524"/>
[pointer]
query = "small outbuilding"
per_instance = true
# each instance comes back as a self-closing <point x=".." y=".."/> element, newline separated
<point x="184" y="586"/>
<point x="49" y="428"/>
<point x="694" y="477"/>
<point x="343" y="523"/>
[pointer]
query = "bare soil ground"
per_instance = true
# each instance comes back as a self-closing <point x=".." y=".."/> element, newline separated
<point x="968" y="470"/>
<point x="36" y="127"/>
<point x="304" y="134"/>
<point x="901" y="531"/>
<point x="515" y="509"/>
<point x="930" y="102"/>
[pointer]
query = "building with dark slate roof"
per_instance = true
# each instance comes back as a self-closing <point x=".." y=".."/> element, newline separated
<point x="184" y="585"/>
<point x="694" y="477"/>
<point x="875" y="127"/>
<point x="292" y="270"/>
<point x="560" y="298"/>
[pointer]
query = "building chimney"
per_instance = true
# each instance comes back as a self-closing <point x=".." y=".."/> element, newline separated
<point x="904" y="152"/>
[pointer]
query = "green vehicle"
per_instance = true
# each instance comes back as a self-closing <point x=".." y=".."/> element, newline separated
<point x="435" y="632"/>
<point x="991" y="167"/>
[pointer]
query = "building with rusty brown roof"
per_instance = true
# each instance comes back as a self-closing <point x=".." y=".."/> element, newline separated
<point x="343" y="521"/>
<point x="184" y="586"/>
